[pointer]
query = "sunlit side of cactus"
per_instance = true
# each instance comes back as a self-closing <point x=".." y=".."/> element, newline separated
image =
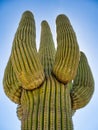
<point x="48" y="85"/>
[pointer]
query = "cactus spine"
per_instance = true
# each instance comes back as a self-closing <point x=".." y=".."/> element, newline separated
<point x="41" y="82"/>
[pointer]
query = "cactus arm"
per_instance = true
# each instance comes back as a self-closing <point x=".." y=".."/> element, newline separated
<point x="67" y="55"/>
<point x="12" y="86"/>
<point x="47" y="49"/>
<point x="83" y="84"/>
<point x="24" y="55"/>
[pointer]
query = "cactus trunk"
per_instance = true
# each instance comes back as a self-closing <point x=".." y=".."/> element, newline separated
<point x="47" y="108"/>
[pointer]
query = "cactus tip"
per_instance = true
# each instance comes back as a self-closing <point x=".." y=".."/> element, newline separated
<point x="27" y="13"/>
<point x="60" y="18"/>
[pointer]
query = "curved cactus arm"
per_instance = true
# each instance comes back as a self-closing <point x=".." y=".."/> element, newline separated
<point x="12" y="86"/>
<point x="67" y="55"/>
<point x="83" y="84"/>
<point x="47" y="49"/>
<point x="25" y="60"/>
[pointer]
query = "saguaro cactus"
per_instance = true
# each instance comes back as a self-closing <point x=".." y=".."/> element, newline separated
<point x="48" y="85"/>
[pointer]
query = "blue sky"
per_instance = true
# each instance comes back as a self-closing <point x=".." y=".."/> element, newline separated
<point x="83" y="15"/>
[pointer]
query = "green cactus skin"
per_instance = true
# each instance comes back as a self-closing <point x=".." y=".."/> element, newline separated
<point x="48" y="85"/>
